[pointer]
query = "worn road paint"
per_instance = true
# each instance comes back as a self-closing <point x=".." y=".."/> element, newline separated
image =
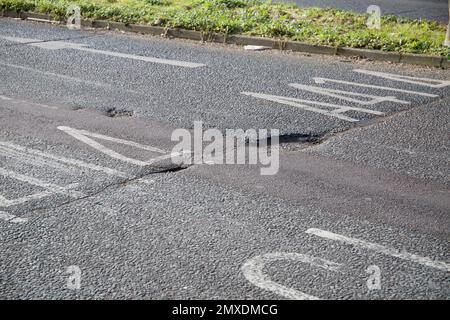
<point x="344" y="95"/>
<point x="27" y="102"/>
<point x="381" y="249"/>
<point x="146" y="59"/>
<point x="319" y="80"/>
<point x="67" y="78"/>
<point x="84" y="135"/>
<point x="50" y="187"/>
<point x="67" y="161"/>
<point x="253" y="271"/>
<point x="11" y="218"/>
<point x="4" y="203"/>
<point x="5" y="98"/>
<point x="21" y="40"/>
<point x="426" y="82"/>
<point x="35" y="160"/>
<point x="303" y="104"/>
<point x="57" y="45"/>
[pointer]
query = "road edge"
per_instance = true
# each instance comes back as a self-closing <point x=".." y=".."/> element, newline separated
<point x="278" y="44"/>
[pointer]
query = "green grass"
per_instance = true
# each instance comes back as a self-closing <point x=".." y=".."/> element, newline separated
<point x="255" y="17"/>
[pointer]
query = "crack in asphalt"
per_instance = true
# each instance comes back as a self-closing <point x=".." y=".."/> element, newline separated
<point x="371" y="122"/>
<point x="121" y="182"/>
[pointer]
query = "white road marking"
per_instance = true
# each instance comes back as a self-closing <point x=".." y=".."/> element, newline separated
<point x="302" y="104"/>
<point x="5" y="98"/>
<point x="84" y="135"/>
<point x="381" y="249"/>
<point x="27" y="102"/>
<point x="20" y="40"/>
<point x="72" y="131"/>
<point x="325" y="80"/>
<point x="50" y="187"/>
<point x="39" y="158"/>
<point x="68" y="161"/>
<point x="57" y="45"/>
<point x="426" y="82"/>
<point x="64" y="77"/>
<point x="9" y="203"/>
<point x="146" y="59"/>
<point x="253" y="271"/>
<point x="40" y="105"/>
<point x="34" y="160"/>
<point x="344" y="95"/>
<point x="11" y="218"/>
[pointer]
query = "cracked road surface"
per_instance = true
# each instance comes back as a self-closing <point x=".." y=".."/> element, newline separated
<point x="86" y="178"/>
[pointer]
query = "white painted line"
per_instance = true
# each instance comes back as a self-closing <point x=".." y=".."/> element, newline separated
<point x="5" y="98"/>
<point x="57" y="45"/>
<point x="84" y="135"/>
<point x="345" y="95"/>
<point x="381" y="249"/>
<point x="9" y="203"/>
<point x="27" y="102"/>
<point x="67" y="78"/>
<point x="11" y="218"/>
<point x="36" y="182"/>
<point x="20" y="40"/>
<point x="146" y="59"/>
<point x="253" y="271"/>
<point x="303" y="104"/>
<point x="39" y="158"/>
<point x="40" y="105"/>
<point x="319" y="80"/>
<point x="68" y="161"/>
<point x="426" y="82"/>
<point x="72" y="131"/>
<point x="35" y="160"/>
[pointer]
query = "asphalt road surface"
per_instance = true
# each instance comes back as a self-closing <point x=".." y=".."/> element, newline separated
<point x="416" y="9"/>
<point x="358" y="210"/>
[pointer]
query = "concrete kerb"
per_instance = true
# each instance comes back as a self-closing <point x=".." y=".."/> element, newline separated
<point x="279" y="44"/>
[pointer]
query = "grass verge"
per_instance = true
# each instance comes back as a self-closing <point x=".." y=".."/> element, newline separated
<point x="259" y="18"/>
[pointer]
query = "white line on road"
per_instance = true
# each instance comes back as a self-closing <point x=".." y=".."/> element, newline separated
<point x="381" y="249"/>
<point x="84" y="135"/>
<point x="302" y="104"/>
<point x="9" y="203"/>
<point x="35" y="160"/>
<point x="36" y="182"/>
<point x="21" y="40"/>
<point x="325" y="80"/>
<point x="345" y="95"/>
<point x="69" y="161"/>
<point x="253" y="271"/>
<point x="57" y="45"/>
<point x="27" y="102"/>
<point x="72" y="131"/>
<point x="426" y="82"/>
<point x="64" y="77"/>
<point x="146" y="59"/>
<point x="38" y="157"/>
<point x="11" y="218"/>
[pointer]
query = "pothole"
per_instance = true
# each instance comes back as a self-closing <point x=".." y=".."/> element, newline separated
<point x="77" y="107"/>
<point x="298" y="141"/>
<point x="119" y="113"/>
<point x="300" y="138"/>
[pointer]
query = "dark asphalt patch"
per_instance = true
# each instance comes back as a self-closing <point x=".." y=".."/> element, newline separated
<point x="118" y="113"/>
